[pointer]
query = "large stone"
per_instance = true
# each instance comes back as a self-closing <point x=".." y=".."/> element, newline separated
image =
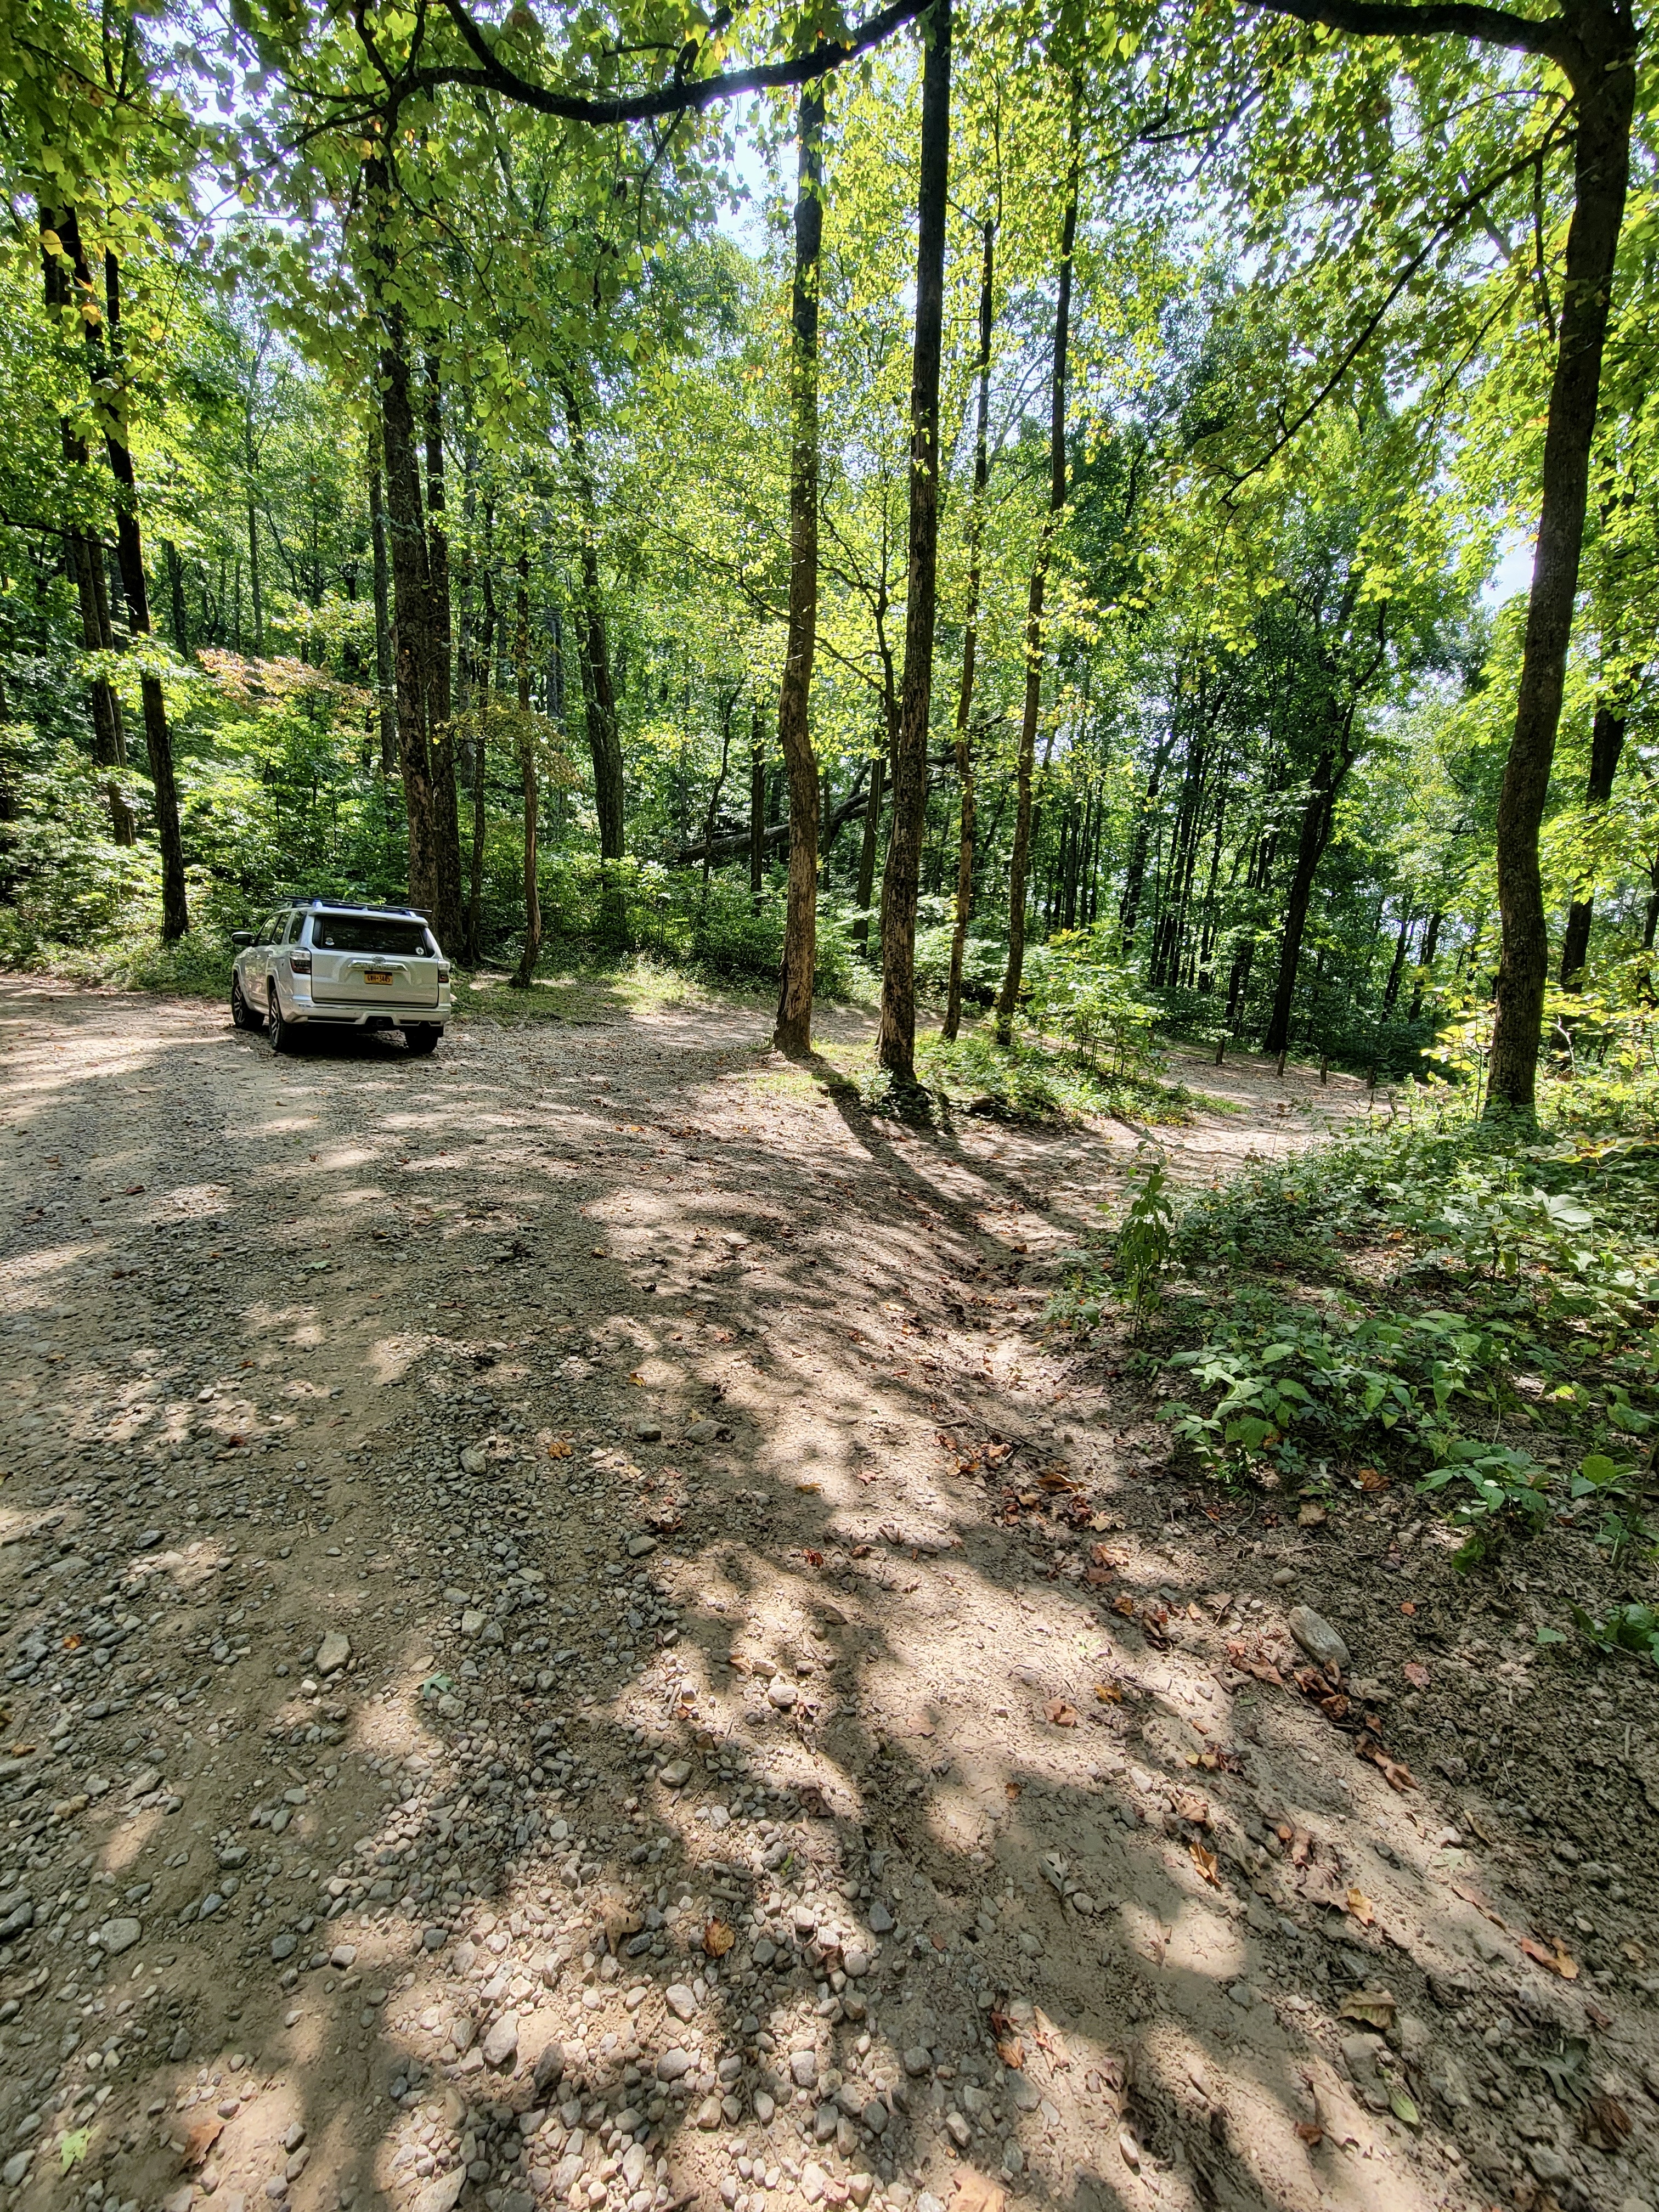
<point x="333" y="1652"/>
<point x="804" y="2068"/>
<point x="1316" y="1637"/>
<point x="674" y="2064"/>
<point x="676" y="1774"/>
<point x="678" y="1997"/>
<point x="118" y="1935"/>
<point x="501" y="2045"/>
<point x="440" y="2194"/>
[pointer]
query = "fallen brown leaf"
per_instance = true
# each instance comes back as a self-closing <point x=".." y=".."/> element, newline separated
<point x="812" y="1801"/>
<point x="1109" y="1693"/>
<point x="1311" y="1516"/>
<point x="1310" y="2132"/>
<point x="1557" y="1959"/>
<point x="1361" y="1907"/>
<point x="1417" y="1675"/>
<point x="1206" y="1861"/>
<point x="1062" y="1714"/>
<point x="718" y="1939"/>
<point x="1607" y="2124"/>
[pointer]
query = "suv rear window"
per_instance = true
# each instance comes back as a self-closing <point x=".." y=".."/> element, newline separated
<point x="370" y="932"/>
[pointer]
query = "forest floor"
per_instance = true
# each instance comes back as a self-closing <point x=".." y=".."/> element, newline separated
<point x="570" y="1635"/>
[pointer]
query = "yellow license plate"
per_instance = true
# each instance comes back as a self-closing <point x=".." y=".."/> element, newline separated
<point x="377" y="974"/>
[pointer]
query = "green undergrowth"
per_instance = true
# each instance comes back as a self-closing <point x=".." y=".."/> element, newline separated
<point x="1467" y="1310"/>
<point x="1028" y="1082"/>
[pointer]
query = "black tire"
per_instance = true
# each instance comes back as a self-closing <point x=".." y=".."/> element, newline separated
<point x="422" y="1037"/>
<point x="282" y="1033"/>
<point x="241" y="1013"/>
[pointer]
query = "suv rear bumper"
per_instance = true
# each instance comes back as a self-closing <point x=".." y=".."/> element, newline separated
<point x="335" y="1014"/>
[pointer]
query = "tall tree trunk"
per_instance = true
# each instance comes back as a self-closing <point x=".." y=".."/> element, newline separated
<point x="412" y="624"/>
<point x="896" y="1041"/>
<point x="383" y="685"/>
<point x="255" y="590"/>
<point x="524" y="972"/>
<point x="110" y="382"/>
<point x="1607" y="745"/>
<point x="869" y="845"/>
<point x="1397" y="969"/>
<point x="176" y="590"/>
<point x="447" y="919"/>
<point x="1318" y="819"/>
<point x="1424" y="963"/>
<point x="599" y="694"/>
<point x="756" y="805"/>
<point x="481" y="677"/>
<point x="1019" y="860"/>
<point x="793" y="1032"/>
<point x="965" y="742"/>
<point x="1605" y="85"/>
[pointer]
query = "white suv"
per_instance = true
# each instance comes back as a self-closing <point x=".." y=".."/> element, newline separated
<point x="321" y="963"/>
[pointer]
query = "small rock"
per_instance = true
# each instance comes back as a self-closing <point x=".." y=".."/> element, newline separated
<point x="674" y="2065"/>
<point x="15" y="2168"/>
<point x="708" y="2114"/>
<point x="881" y="1920"/>
<point x="811" y="2182"/>
<point x="500" y="2045"/>
<point x="679" y="1998"/>
<point x="918" y="2061"/>
<point x="804" y="2068"/>
<point x="343" y="1955"/>
<point x="1082" y="1902"/>
<point x="781" y="1692"/>
<point x="649" y="1431"/>
<point x="284" y="1946"/>
<point x="958" y="2130"/>
<point x="118" y="1935"/>
<point x="859" y="2186"/>
<point x="333" y="1652"/>
<point x="1548" y="2164"/>
<point x="1283" y="1577"/>
<point x="474" y="1459"/>
<point x="765" y="2108"/>
<point x="1316" y="1637"/>
<point x="676" y="1774"/>
<point x="640" y="1547"/>
<point x="855" y="1962"/>
<point x="703" y="1432"/>
<point x="549" y="2068"/>
<point x="874" y="2116"/>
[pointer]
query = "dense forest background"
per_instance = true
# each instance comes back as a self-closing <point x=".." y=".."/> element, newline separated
<point x="474" y="461"/>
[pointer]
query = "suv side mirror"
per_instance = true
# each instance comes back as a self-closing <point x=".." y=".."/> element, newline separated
<point x="241" y="937"/>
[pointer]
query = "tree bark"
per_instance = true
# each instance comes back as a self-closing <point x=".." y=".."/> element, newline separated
<point x="965" y="742"/>
<point x="411" y="591"/>
<point x="1607" y="745"/>
<point x="439" y="676"/>
<point x="793" y="1032"/>
<point x="1605" y="85"/>
<point x="524" y="974"/>
<point x="1424" y="963"/>
<point x="599" y="694"/>
<point x="1318" y="820"/>
<point x="1391" y="989"/>
<point x="1019" y="860"/>
<point x="869" y="845"/>
<point x="130" y="553"/>
<point x="383" y="686"/>
<point x="896" y="1043"/>
<point x="483" y="677"/>
<point x="756" y="806"/>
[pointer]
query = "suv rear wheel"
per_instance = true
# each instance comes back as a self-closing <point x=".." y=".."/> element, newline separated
<point x="240" y="1012"/>
<point x="282" y="1032"/>
<point x="422" y="1036"/>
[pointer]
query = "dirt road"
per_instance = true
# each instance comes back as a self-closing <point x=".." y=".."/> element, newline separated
<point x="568" y="1638"/>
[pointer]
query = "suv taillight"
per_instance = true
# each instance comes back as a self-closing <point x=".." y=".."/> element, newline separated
<point x="301" y="960"/>
<point x="443" y="971"/>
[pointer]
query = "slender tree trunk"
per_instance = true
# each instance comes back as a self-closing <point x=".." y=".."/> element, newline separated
<point x="383" y="684"/>
<point x="793" y="1030"/>
<point x="1397" y="969"/>
<point x="524" y="974"/>
<point x="176" y="592"/>
<point x="1019" y="860"/>
<point x="158" y="738"/>
<point x="756" y="806"/>
<point x="715" y="795"/>
<point x="1607" y="745"/>
<point x="1605" y="85"/>
<point x="1424" y="963"/>
<point x="869" y="845"/>
<point x="412" y="622"/>
<point x="604" y="742"/>
<point x="896" y="1043"/>
<point x="447" y="919"/>
<point x="255" y="589"/>
<point x="1318" y="819"/>
<point x="964" y="741"/>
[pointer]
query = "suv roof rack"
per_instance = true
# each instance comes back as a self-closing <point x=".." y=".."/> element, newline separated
<point x="358" y="906"/>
